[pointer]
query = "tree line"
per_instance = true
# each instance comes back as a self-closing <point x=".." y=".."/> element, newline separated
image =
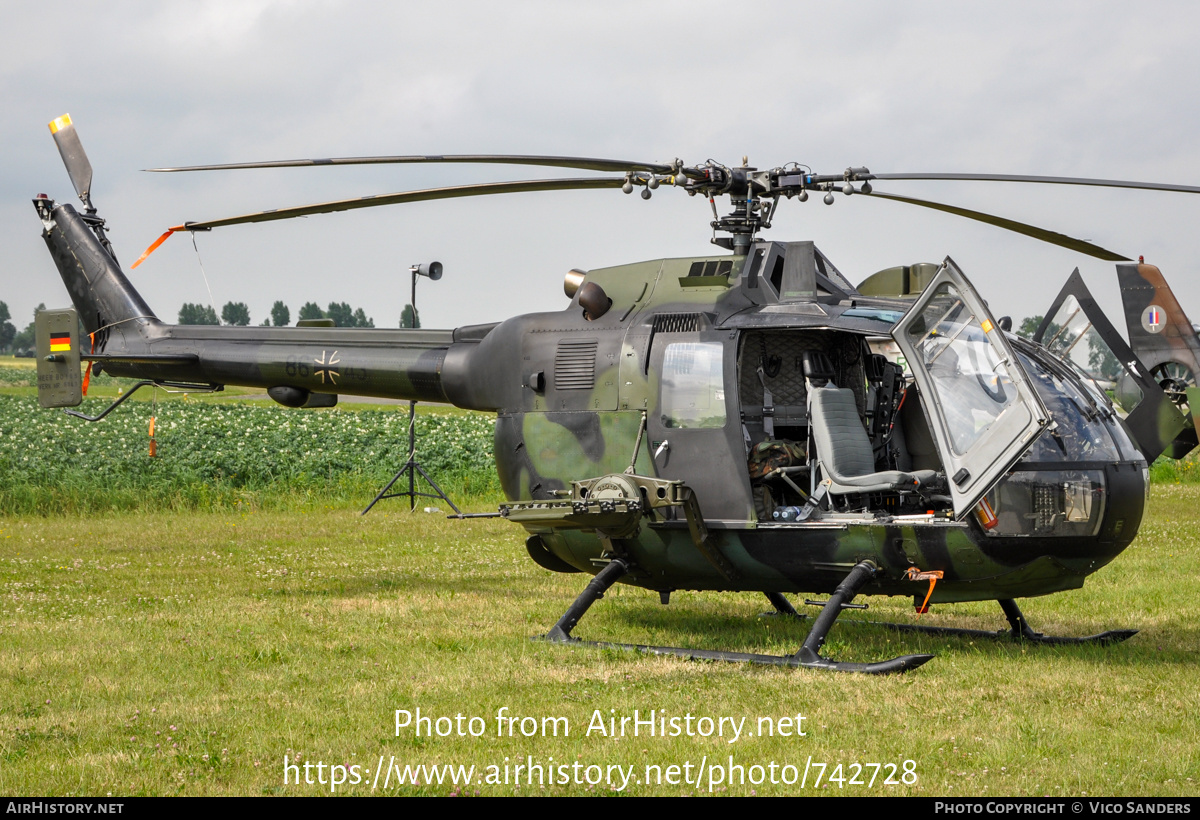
<point x="24" y="342"/>
<point x="237" y="313"/>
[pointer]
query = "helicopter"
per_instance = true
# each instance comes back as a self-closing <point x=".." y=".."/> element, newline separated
<point x="722" y="422"/>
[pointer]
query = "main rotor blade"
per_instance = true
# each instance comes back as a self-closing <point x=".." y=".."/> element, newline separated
<point x="1102" y="183"/>
<point x="1062" y="240"/>
<point x="583" y="163"/>
<point x="482" y="189"/>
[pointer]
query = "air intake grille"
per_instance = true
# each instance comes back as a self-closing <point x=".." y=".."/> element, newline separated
<point x="575" y="365"/>
<point x="677" y="323"/>
<point x="714" y="267"/>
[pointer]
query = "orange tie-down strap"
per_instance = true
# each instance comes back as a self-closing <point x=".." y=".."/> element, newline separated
<point x="932" y="576"/>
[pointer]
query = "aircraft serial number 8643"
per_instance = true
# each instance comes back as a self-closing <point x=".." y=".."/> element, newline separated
<point x="722" y="422"/>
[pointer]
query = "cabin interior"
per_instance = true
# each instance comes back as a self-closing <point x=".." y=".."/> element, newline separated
<point x="778" y="372"/>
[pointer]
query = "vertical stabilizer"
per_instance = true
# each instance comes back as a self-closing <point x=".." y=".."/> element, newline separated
<point x="1160" y="333"/>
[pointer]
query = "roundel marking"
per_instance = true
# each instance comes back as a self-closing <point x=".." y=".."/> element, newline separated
<point x="1154" y="319"/>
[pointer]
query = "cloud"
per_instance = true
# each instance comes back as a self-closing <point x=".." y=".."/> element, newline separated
<point x="1088" y="89"/>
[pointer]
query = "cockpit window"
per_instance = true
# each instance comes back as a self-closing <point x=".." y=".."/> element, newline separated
<point x="1079" y="433"/>
<point x="1071" y="336"/>
<point x="693" y="387"/>
<point x="969" y="375"/>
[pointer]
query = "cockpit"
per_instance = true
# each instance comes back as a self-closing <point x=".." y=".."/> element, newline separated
<point x="985" y="424"/>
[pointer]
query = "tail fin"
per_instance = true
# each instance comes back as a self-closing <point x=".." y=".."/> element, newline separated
<point x="99" y="289"/>
<point x="85" y="259"/>
<point x="1159" y="331"/>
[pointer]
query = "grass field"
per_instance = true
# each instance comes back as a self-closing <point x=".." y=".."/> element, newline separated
<point x="167" y="645"/>
<point x="189" y="652"/>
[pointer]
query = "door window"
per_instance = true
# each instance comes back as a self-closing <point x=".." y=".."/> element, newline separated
<point x="693" y="386"/>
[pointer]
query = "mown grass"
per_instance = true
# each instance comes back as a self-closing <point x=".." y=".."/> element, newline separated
<point x="188" y="652"/>
<point x="171" y="633"/>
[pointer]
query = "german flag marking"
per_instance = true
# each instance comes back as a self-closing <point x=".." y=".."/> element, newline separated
<point x="60" y="342"/>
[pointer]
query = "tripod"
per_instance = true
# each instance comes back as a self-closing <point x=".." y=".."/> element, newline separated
<point x="411" y="468"/>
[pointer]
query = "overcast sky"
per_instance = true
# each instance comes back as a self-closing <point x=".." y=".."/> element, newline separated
<point x="1094" y="89"/>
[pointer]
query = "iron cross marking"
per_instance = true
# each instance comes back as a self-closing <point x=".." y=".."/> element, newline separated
<point x="325" y="368"/>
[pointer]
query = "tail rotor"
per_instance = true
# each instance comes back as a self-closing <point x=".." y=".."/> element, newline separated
<point x="74" y="157"/>
<point x="80" y="171"/>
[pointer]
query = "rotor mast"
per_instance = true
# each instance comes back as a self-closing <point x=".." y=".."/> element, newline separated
<point x="755" y="195"/>
<point x="751" y="211"/>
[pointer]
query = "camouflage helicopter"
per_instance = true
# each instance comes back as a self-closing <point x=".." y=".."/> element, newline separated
<point x="713" y="423"/>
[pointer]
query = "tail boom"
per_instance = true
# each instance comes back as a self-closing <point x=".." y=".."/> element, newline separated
<point x="129" y="340"/>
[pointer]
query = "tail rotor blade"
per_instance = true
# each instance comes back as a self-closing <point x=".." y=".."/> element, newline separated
<point x="73" y="156"/>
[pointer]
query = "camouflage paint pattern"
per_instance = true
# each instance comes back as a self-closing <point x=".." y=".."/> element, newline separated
<point x="1143" y="286"/>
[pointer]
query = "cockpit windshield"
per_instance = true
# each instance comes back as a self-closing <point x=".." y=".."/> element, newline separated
<point x="1072" y="337"/>
<point x="1079" y="432"/>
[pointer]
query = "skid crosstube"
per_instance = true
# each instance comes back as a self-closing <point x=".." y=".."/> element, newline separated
<point x="782" y="606"/>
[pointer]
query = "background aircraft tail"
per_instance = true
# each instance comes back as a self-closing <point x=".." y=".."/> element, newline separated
<point x="1160" y="333"/>
<point x="1164" y="340"/>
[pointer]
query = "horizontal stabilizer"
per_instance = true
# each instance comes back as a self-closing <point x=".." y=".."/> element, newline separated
<point x="144" y="358"/>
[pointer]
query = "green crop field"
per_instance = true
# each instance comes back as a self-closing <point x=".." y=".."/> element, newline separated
<point x="199" y="622"/>
<point x="218" y="451"/>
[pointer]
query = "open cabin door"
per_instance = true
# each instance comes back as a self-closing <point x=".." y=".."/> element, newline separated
<point x="1077" y="331"/>
<point x="981" y="408"/>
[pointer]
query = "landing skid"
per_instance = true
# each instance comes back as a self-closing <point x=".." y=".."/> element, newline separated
<point x="1019" y="630"/>
<point x="890" y="667"/>
<point x="808" y="657"/>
